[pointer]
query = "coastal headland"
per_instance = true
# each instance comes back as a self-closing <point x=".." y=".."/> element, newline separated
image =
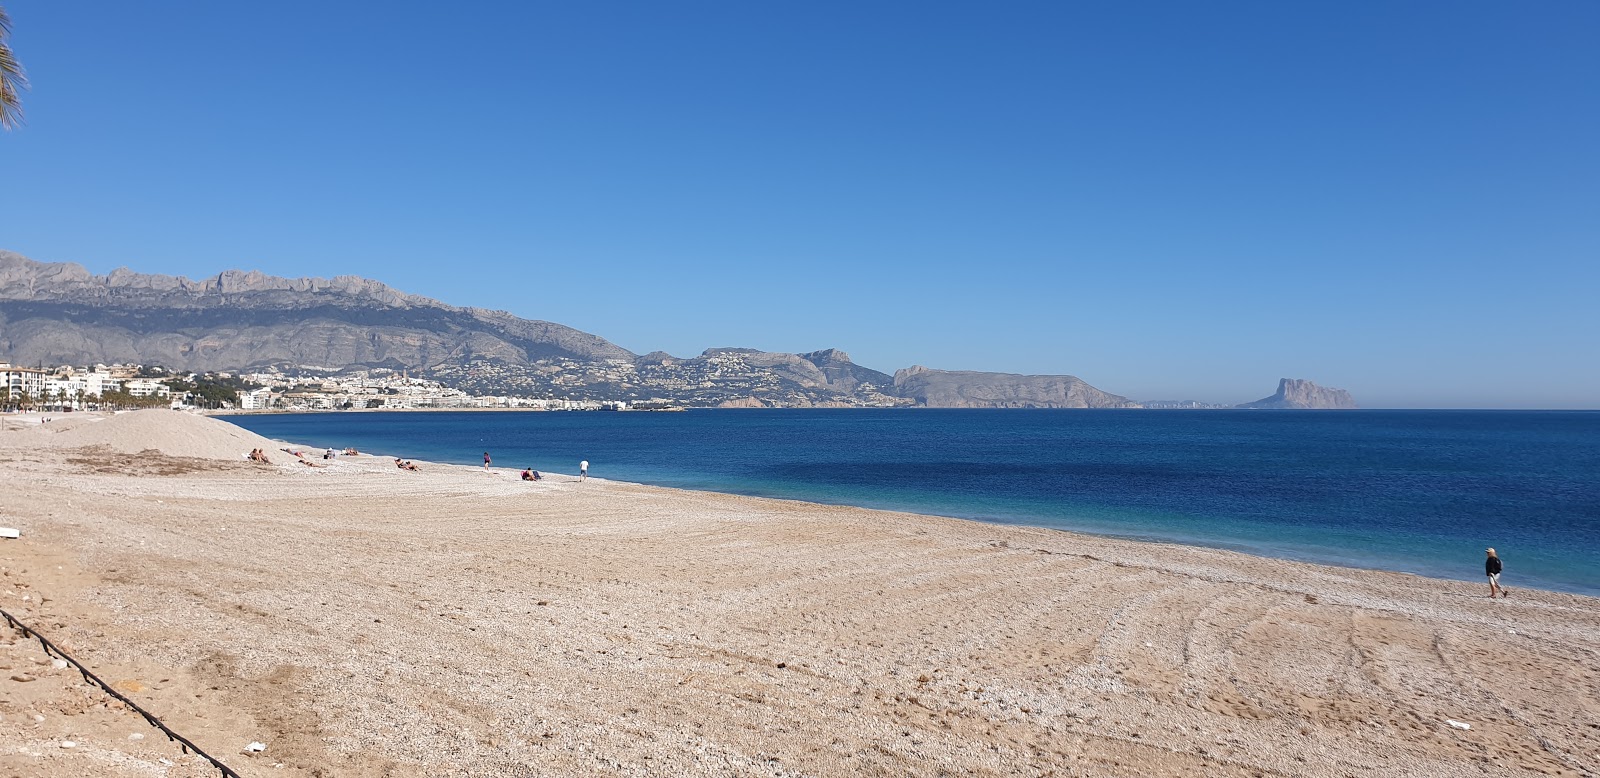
<point x="361" y="620"/>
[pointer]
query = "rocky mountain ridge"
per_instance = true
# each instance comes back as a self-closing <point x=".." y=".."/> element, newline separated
<point x="967" y="389"/>
<point x="60" y="313"/>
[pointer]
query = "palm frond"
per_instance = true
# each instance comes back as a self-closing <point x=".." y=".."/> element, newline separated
<point x="12" y="79"/>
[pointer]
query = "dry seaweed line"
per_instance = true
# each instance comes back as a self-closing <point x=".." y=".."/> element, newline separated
<point x="50" y="649"/>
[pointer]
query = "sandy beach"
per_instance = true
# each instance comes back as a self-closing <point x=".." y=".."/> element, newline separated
<point x="359" y="620"/>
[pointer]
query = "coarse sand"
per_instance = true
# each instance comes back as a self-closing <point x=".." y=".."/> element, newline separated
<point x="360" y="620"/>
<point x="173" y="433"/>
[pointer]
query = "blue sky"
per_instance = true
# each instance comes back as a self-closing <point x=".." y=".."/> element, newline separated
<point x="1169" y="200"/>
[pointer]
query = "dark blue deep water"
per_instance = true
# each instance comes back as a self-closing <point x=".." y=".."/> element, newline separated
<point x="1415" y="491"/>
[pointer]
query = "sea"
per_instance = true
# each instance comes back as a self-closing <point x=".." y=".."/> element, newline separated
<point x="1413" y="491"/>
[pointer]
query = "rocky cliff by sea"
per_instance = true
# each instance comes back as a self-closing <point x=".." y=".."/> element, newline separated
<point x="1299" y="394"/>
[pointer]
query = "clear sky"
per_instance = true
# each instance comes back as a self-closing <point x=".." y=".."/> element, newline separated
<point x="1174" y="200"/>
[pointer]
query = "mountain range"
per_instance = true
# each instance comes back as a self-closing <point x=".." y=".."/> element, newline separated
<point x="60" y="313"/>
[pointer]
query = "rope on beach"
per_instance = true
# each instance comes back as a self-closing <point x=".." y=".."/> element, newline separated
<point x="51" y="649"/>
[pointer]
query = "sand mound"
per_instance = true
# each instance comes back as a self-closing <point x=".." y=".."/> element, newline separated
<point x="173" y="433"/>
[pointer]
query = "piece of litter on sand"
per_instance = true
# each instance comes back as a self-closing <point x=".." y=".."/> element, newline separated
<point x="7" y="532"/>
<point x="1511" y="632"/>
<point x="1458" y="724"/>
<point x="256" y="746"/>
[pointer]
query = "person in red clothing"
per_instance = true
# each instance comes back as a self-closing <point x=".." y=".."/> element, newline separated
<point x="1491" y="566"/>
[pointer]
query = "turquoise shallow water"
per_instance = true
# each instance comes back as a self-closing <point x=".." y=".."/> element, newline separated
<point x="1414" y="491"/>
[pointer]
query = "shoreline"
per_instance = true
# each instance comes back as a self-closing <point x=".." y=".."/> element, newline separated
<point x="361" y="621"/>
<point x="1038" y="523"/>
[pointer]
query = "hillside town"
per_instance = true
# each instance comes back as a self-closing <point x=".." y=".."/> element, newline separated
<point x="69" y="388"/>
<point x="718" y="378"/>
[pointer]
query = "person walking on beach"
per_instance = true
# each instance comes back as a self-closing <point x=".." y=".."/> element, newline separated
<point x="583" y="470"/>
<point x="486" y="460"/>
<point x="1491" y="566"/>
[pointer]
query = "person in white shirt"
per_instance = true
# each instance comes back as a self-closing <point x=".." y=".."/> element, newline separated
<point x="583" y="470"/>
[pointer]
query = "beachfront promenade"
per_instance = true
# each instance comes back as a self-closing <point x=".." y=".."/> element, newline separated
<point x="360" y="620"/>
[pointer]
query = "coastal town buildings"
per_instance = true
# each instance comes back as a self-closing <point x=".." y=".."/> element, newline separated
<point x="383" y="389"/>
<point x="65" y="384"/>
<point x="256" y="399"/>
<point x="730" y="378"/>
<point x="145" y="387"/>
<point x="18" y="382"/>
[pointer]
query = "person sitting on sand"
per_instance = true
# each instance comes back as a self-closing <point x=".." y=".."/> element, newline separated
<point x="527" y="474"/>
<point x="409" y="465"/>
<point x="350" y="452"/>
<point x="328" y="454"/>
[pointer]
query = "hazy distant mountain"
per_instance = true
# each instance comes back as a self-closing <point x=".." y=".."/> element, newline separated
<point x="58" y="313"/>
<point x="965" y="389"/>
<point x="1294" y="393"/>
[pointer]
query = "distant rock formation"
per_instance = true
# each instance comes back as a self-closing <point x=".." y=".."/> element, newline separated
<point x="1295" y="393"/>
<point x="846" y="376"/>
<point x="965" y="389"/>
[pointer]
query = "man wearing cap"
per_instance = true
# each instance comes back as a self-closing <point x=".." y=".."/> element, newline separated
<point x="1491" y="565"/>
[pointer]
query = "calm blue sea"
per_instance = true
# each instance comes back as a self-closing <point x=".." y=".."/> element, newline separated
<point x="1414" y="491"/>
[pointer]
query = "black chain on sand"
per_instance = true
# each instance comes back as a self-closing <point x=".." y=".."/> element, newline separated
<point x="50" y="649"/>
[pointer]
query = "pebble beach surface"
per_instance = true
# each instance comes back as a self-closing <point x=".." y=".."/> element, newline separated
<point x="360" y="620"/>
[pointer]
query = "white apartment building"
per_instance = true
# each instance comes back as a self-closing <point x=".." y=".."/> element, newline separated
<point x="23" y="381"/>
<point x="255" y="399"/>
<point x="145" y="387"/>
<point x="90" y="384"/>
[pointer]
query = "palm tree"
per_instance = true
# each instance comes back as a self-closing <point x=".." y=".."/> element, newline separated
<point x="12" y="79"/>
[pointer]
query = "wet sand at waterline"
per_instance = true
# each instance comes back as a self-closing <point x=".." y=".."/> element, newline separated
<point x="360" y="620"/>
